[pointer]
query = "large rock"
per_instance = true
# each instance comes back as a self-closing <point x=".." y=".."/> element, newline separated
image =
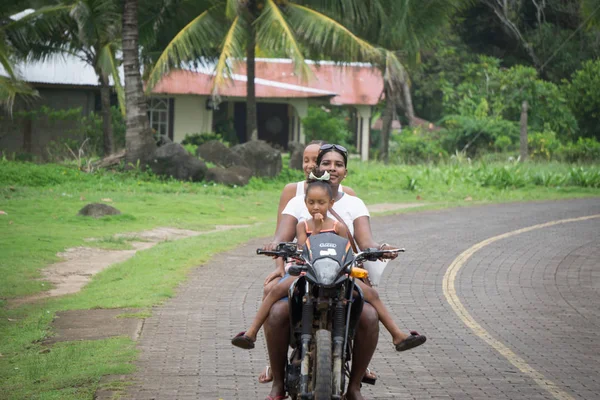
<point x="216" y="152"/>
<point x="296" y="154"/>
<point x="173" y="160"/>
<point x="261" y="158"/>
<point x="232" y="176"/>
<point x="97" y="210"/>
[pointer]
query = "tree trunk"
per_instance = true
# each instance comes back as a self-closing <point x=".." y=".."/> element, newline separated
<point x="107" y="128"/>
<point x="523" y="142"/>
<point x="251" y="123"/>
<point x="387" y="118"/>
<point x="408" y="105"/>
<point x="139" y="141"/>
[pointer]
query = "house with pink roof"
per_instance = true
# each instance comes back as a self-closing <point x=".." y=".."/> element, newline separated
<point x="182" y="102"/>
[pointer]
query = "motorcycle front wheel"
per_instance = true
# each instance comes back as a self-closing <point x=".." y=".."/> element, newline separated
<point x="322" y="372"/>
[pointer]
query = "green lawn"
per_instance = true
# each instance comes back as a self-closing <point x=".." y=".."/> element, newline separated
<point x="41" y="203"/>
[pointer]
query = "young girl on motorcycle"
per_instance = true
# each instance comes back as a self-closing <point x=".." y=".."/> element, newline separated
<point x="318" y="199"/>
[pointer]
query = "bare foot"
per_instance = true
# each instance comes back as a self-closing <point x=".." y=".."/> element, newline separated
<point x="353" y="394"/>
<point x="397" y="338"/>
<point x="265" y="376"/>
<point x="277" y="391"/>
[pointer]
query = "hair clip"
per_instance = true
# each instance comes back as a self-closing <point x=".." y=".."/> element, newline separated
<point x="324" y="177"/>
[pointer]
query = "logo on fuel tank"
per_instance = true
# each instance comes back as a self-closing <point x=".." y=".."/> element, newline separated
<point x="327" y="245"/>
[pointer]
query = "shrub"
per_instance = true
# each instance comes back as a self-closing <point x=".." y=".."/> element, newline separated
<point x="412" y="147"/>
<point x="475" y="135"/>
<point x="542" y="145"/>
<point x="583" y="95"/>
<point x="583" y="150"/>
<point x="328" y="125"/>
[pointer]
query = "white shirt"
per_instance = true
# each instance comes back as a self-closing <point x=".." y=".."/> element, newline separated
<point x="348" y="207"/>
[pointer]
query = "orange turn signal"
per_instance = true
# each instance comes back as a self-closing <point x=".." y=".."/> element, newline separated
<point x="359" y="273"/>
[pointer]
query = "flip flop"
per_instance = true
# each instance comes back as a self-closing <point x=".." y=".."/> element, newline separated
<point x="276" y="397"/>
<point x="242" y="341"/>
<point x="370" y="378"/>
<point x="412" y="341"/>
<point x="267" y="375"/>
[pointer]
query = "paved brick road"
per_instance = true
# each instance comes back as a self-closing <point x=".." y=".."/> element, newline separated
<point x="537" y="292"/>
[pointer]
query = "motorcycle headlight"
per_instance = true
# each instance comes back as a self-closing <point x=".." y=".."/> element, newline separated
<point x="326" y="270"/>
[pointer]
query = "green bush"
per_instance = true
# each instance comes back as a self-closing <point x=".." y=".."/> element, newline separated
<point x="476" y="135"/>
<point x="585" y="150"/>
<point x="488" y="90"/>
<point x="198" y="139"/>
<point x="328" y="125"/>
<point x="412" y="147"/>
<point x="542" y="145"/>
<point x="583" y="95"/>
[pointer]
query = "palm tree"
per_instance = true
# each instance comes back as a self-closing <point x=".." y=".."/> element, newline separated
<point x="226" y="31"/>
<point x="89" y="30"/>
<point x="11" y="86"/>
<point x="139" y="141"/>
<point x="405" y="27"/>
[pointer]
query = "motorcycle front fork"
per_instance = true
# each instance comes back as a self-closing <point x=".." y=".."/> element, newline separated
<point x="305" y="338"/>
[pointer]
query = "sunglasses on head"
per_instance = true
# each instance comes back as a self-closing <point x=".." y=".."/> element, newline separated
<point x="337" y="147"/>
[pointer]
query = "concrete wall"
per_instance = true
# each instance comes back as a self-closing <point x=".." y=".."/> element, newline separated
<point x="191" y="116"/>
<point x="43" y="131"/>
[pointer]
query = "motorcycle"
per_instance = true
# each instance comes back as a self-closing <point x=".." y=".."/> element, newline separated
<point x="325" y="305"/>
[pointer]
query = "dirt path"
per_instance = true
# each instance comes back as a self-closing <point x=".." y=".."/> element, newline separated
<point x="82" y="263"/>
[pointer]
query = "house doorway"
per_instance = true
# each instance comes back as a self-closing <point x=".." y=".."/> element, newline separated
<point x="272" y="120"/>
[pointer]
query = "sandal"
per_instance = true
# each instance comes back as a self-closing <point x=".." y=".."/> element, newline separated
<point x="412" y="341"/>
<point x="370" y="378"/>
<point x="242" y="341"/>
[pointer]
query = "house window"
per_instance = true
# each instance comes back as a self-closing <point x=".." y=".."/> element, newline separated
<point x="158" y="112"/>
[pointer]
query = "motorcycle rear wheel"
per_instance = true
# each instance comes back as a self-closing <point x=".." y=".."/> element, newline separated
<point x="322" y="373"/>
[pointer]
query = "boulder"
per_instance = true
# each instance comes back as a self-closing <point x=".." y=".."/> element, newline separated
<point x="173" y="160"/>
<point x="261" y="158"/>
<point x="232" y="176"/>
<point x="296" y="154"/>
<point x="217" y="153"/>
<point x="98" y="210"/>
<point x="162" y="140"/>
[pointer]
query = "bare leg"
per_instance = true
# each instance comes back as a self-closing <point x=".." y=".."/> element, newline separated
<point x="365" y="341"/>
<point x="372" y="296"/>
<point x="277" y="328"/>
<point x="276" y="294"/>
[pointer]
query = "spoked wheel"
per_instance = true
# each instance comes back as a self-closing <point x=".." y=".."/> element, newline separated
<point x="323" y="366"/>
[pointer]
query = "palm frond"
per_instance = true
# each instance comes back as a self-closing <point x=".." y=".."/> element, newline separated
<point x="351" y="13"/>
<point x="331" y="37"/>
<point x="5" y="57"/>
<point x="231" y="9"/>
<point x="107" y="64"/>
<point x="274" y="33"/>
<point x="197" y="39"/>
<point x="232" y="49"/>
<point x="10" y="89"/>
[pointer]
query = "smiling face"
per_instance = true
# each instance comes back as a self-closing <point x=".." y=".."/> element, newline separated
<point x="333" y="162"/>
<point x="309" y="159"/>
<point x="318" y="200"/>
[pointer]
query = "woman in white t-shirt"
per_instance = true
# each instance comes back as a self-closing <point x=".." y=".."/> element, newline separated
<point x="352" y="210"/>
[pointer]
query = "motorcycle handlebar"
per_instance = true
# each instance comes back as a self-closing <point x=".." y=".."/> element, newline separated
<point x="272" y="253"/>
<point x="373" y="254"/>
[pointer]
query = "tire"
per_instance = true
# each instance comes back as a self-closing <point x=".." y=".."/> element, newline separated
<point x="323" y="366"/>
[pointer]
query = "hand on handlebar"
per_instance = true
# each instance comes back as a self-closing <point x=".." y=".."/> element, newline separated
<point x="390" y="255"/>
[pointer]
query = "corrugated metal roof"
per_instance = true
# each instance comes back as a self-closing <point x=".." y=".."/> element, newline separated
<point x="200" y="83"/>
<point x="352" y="83"/>
<point x="59" y="70"/>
